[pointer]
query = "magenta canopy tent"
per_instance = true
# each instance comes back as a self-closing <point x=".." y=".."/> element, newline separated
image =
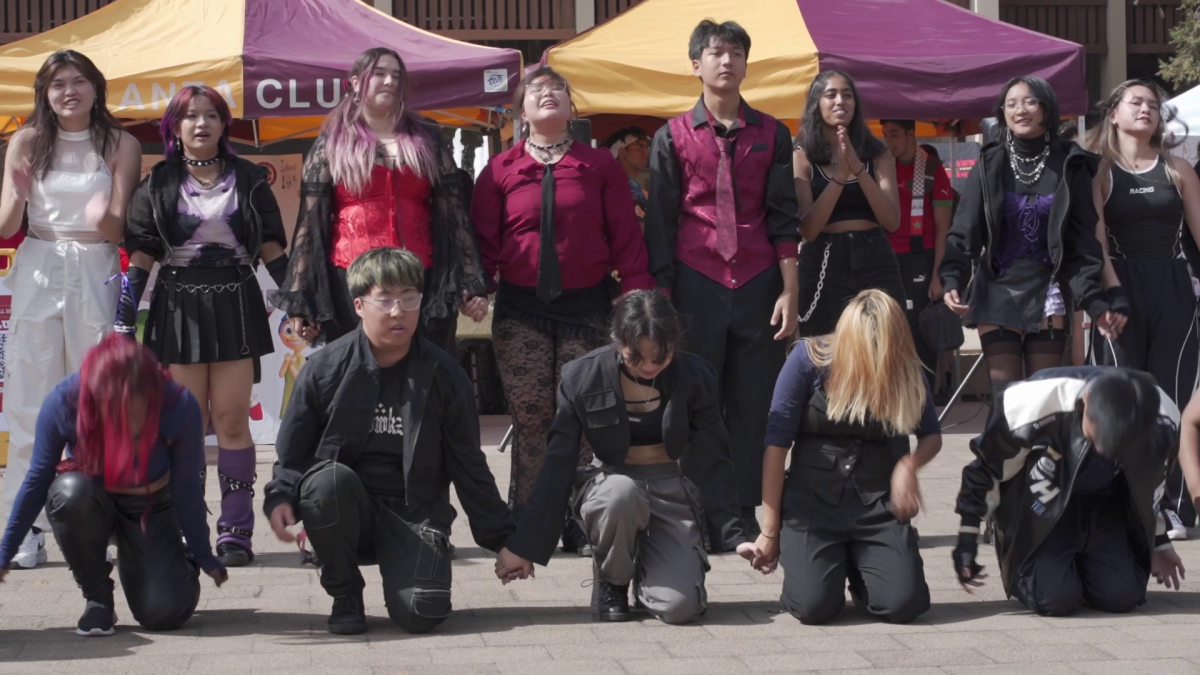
<point x="311" y="41"/>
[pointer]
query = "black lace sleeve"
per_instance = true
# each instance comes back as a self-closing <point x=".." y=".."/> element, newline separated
<point x="306" y="289"/>
<point x="457" y="266"/>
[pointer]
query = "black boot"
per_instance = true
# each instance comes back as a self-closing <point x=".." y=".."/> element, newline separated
<point x="349" y="616"/>
<point x="609" y="601"/>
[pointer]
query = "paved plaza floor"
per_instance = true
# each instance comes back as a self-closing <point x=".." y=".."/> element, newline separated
<point x="270" y="618"/>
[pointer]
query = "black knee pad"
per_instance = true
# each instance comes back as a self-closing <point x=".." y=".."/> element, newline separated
<point x="999" y="336"/>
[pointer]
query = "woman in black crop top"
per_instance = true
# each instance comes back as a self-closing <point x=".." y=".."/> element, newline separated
<point x="846" y="185"/>
<point x="1149" y="204"/>
<point x="1027" y="222"/>
<point x="661" y="489"/>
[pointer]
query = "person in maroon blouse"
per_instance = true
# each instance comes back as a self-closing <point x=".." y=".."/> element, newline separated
<point x="722" y="232"/>
<point x="378" y="176"/>
<point x="555" y="218"/>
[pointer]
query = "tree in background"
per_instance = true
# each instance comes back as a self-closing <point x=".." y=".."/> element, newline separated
<point x="1183" y="68"/>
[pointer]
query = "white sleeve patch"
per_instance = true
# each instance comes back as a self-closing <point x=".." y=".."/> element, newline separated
<point x="1028" y="402"/>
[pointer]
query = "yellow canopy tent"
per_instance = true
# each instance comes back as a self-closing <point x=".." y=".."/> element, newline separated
<point x="278" y="63"/>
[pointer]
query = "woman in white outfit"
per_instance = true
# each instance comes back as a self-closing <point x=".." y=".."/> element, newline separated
<point x="74" y="169"/>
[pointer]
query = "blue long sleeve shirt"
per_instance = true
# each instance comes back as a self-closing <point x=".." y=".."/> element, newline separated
<point x="179" y="451"/>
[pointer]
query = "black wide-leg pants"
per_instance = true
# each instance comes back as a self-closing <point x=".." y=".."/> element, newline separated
<point x="731" y="328"/>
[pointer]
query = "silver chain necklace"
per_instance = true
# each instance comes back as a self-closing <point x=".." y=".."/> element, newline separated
<point x="547" y="152"/>
<point x="1028" y="176"/>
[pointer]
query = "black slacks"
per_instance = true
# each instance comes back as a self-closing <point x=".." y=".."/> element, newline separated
<point x="1087" y="557"/>
<point x="349" y="527"/>
<point x="857" y="261"/>
<point x="732" y="330"/>
<point x="823" y="546"/>
<point x="916" y="273"/>
<point x="161" y="582"/>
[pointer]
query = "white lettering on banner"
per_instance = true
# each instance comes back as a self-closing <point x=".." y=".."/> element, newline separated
<point x="158" y="94"/>
<point x="337" y="94"/>
<point x="292" y="102"/>
<point x="262" y="86"/>
<point x="162" y="94"/>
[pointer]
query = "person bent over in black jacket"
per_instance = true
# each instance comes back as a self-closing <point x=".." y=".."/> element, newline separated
<point x="380" y="422"/>
<point x="1073" y="472"/>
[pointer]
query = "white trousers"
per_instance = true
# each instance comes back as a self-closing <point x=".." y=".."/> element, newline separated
<point x="61" y="307"/>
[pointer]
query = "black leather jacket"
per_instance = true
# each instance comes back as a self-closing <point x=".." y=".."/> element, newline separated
<point x="330" y="417"/>
<point x="154" y="211"/>
<point x="591" y="405"/>
<point x="1027" y="459"/>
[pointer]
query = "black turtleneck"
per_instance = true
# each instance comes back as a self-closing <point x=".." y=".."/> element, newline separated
<point x="1032" y="147"/>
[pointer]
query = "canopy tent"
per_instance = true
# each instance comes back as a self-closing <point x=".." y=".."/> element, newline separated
<point x="280" y="63"/>
<point x="911" y="59"/>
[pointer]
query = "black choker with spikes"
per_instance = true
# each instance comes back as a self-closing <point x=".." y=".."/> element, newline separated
<point x="201" y="162"/>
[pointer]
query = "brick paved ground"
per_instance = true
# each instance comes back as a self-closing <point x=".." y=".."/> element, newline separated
<point x="270" y="618"/>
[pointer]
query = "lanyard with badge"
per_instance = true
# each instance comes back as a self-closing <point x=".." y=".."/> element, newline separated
<point x="917" y="222"/>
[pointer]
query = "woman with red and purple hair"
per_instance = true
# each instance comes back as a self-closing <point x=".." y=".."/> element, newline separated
<point x="134" y="474"/>
<point x="208" y="217"/>
<point x="380" y="176"/>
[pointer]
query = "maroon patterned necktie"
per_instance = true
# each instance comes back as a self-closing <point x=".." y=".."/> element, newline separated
<point x="727" y="243"/>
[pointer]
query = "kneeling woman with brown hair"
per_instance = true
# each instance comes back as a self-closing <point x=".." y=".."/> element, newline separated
<point x="650" y="413"/>
<point x="845" y="404"/>
<point x="137" y="454"/>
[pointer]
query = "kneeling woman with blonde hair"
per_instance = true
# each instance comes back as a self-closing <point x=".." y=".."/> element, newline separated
<point x="845" y="404"/>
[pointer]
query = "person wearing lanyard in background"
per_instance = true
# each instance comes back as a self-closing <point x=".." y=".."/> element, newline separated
<point x="722" y="232"/>
<point x="555" y="219"/>
<point x="631" y="147"/>
<point x="74" y="169"/>
<point x="926" y="208"/>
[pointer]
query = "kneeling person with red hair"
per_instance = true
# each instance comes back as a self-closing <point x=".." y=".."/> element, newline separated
<point x="134" y="472"/>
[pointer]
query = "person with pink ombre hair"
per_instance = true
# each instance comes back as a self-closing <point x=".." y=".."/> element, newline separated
<point x="379" y="175"/>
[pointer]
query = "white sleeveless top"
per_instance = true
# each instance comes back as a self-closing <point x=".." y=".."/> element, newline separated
<point x="59" y="202"/>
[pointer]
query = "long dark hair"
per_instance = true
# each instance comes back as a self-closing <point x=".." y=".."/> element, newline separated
<point x="45" y="123"/>
<point x="812" y="126"/>
<point x="647" y="314"/>
<point x="1040" y="91"/>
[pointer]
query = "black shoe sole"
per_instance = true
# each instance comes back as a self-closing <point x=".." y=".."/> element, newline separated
<point x="611" y="617"/>
<point x="348" y="628"/>
<point x="235" y="556"/>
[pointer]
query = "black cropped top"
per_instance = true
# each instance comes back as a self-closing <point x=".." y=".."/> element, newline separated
<point x="645" y="426"/>
<point x="852" y="204"/>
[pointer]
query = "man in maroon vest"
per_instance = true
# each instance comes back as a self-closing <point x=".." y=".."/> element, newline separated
<point x="722" y="232"/>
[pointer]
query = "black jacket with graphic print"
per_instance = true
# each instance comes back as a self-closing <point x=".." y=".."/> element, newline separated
<point x="332" y="411"/>
<point x="1027" y="459"/>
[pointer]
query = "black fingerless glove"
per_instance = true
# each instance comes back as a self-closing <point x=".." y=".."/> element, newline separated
<point x="1118" y="302"/>
<point x="278" y="268"/>
<point x="965" y="553"/>
<point x="133" y="286"/>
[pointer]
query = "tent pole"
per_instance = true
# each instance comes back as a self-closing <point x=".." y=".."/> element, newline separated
<point x="954" y="157"/>
<point x="255" y="127"/>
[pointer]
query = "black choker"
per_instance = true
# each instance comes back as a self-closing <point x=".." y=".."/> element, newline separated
<point x="201" y="162"/>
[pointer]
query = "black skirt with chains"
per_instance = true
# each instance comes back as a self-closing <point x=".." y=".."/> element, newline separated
<point x="207" y="315"/>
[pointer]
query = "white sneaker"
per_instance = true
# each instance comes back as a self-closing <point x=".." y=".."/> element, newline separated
<point x="32" y="551"/>
<point x="1176" y="531"/>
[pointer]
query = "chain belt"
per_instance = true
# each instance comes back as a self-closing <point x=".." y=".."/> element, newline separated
<point x="233" y="286"/>
<point x="820" y="285"/>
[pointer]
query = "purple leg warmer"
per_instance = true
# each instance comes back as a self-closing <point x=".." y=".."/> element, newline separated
<point x="235" y="472"/>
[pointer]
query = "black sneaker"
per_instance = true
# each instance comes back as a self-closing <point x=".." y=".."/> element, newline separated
<point x="348" y="617"/>
<point x="233" y="555"/>
<point x="98" y="620"/>
<point x="610" y="602"/>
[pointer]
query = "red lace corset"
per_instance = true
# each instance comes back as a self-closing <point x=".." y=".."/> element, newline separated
<point x="393" y="210"/>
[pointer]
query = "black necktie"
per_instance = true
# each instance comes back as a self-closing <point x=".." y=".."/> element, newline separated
<point x="549" y="285"/>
